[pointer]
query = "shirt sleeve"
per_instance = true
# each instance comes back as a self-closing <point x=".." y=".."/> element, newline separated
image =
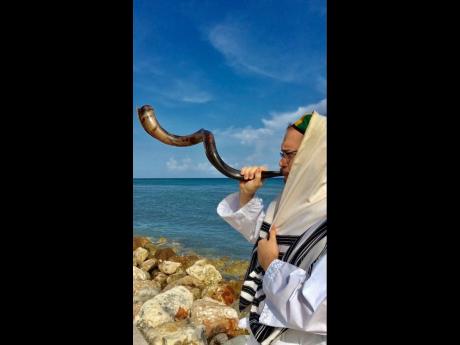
<point x="292" y="300"/>
<point x="247" y="219"/>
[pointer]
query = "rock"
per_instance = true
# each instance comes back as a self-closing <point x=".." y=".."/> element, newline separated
<point x="236" y="268"/>
<point x="191" y="283"/>
<point x="161" y="278"/>
<point x="205" y="272"/>
<point x="215" y="316"/>
<point x="176" y="276"/>
<point x="138" y="338"/>
<point x="236" y="286"/>
<point x="136" y="308"/>
<point x="195" y="291"/>
<point x="151" y="248"/>
<point x="187" y="281"/>
<point x="163" y="307"/>
<point x="139" y="241"/>
<point x="218" y="263"/>
<point x="185" y="260"/>
<point x="219" y="339"/>
<point x="164" y="253"/>
<point x="222" y="292"/>
<point x="144" y="290"/>
<point x="176" y="333"/>
<point x="168" y="267"/>
<point x="140" y="254"/>
<point x="181" y="314"/>
<point x="140" y="274"/>
<point x="161" y="240"/>
<point x="239" y="340"/>
<point x="149" y="264"/>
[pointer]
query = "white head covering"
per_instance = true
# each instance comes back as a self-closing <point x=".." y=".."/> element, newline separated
<point x="303" y="200"/>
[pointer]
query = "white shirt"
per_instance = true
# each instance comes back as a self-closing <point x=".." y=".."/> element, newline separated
<point x="292" y="301"/>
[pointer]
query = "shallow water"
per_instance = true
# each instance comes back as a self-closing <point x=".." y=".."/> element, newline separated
<point x="184" y="210"/>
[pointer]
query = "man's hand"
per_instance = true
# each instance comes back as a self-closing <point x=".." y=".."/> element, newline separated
<point x="267" y="250"/>
<point x="251" y="183"/>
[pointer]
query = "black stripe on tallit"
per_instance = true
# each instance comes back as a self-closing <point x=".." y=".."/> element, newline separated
<point x="248" y="290"/>
<point x="305" y="247"/>
<point x="314" y="262"/>
<point x="293" y="256"/>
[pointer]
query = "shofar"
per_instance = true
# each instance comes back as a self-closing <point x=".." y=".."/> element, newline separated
<point x="152" y="127"/>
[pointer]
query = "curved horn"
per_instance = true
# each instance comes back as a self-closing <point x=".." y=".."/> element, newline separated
<point x="152" y="127"/>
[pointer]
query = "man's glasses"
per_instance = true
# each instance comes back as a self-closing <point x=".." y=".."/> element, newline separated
<point x="287" y="154"/>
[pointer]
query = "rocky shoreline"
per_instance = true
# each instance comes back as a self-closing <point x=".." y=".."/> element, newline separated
<point x="182" y="298"/>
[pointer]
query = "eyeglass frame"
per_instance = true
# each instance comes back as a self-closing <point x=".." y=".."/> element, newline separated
<point x="287" y="155"/>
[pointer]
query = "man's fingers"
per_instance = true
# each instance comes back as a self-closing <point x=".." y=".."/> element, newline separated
<point x="242" y="171"/>
<point x="252" y="172"/>
<point x="258" y="174"/>
<point x="273" y="234"/>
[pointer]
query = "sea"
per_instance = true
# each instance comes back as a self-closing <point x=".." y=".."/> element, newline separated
<point x="183" y="210"/>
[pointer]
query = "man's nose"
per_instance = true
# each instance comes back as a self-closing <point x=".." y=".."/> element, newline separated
<point x="282" y="163"/>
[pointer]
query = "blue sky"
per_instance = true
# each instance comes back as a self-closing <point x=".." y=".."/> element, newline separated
<point x="241" y="69"/>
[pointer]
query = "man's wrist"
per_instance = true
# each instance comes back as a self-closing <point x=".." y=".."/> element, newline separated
<point x="245" y="197"/>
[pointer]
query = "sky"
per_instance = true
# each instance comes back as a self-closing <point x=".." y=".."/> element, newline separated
<point x="243" y="70"/>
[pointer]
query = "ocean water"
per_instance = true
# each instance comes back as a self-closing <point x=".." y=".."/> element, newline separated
<point x="184" y="211"/>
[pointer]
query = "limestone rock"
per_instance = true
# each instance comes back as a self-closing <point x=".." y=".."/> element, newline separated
<point x="138" y="338"/>
<point x="223" y="292"/>
<point x="161" y="278"/>
<point x="161" y="240"/>
<point x="140" y="255"/>
<point x="149" y="264"/>
<point x="163" y="307"/>
<point x="215" y="316"/>
<point x="144" y="290"/>
<point x="168" y="267"/>
<point x="218" y="263"/>
<point x="164" y="253"/>
<point x="136" y="308"/>
<point x="219" y="339"/>
<point x="139" y="274"/>
<point x="238" y="340"/>
<point x="176" y="276"/>
<point x="185" y="260"/>
<point x="188" y="281"/>
<point x="139" y="241"/>
<point x="195" y="291"/>
<point x="174" y="333"/>
<point x="152" y="250"/>
<point x="235" y="269"/>
<point x="205" y="272"/>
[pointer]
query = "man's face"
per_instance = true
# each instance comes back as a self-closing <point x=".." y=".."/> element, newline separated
<point x="290" y="145"/>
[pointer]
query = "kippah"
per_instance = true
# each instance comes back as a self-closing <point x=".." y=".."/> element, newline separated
<point x="302" y="123"/>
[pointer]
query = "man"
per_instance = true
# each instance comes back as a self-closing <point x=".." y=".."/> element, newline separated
<point x="285" y="286"/>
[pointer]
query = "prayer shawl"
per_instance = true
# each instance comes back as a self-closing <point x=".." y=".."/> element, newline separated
<point x="299" y="214"/>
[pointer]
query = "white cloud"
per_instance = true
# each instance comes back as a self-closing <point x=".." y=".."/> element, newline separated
<point x="249" y="146"/>
<point x="260" y="146"/>
<point x="281" y="120"/>
<point x="152" y="77"/>
<point x="273" y="126"/>
<point x="173" y="165"/>
<point x="188" y="165"/>
<point x="247" y="49"/>
<point x="187" y="91"/>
